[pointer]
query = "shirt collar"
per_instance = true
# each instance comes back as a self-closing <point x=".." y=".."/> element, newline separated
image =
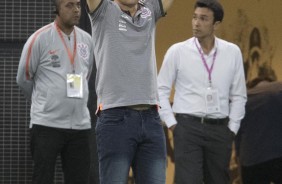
<point x="128" y="13"/>
<point x="214" y="47"/>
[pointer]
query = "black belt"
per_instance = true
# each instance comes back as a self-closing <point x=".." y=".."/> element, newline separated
<point x="142" y="107"/>
<point x="222" y="121"/>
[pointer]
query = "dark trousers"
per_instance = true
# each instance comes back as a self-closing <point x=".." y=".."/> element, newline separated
<point x="72" y="145"/>
<point x="263" y="173"/>
<point x="202" y="152"/>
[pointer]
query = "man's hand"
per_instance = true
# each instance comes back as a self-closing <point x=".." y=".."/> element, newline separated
<point x="167" y="4"/>
<point x="172" y="128"/>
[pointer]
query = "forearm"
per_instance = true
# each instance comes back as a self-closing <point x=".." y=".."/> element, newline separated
<point x="237" y="113"/>
<point x="24" y="81"/>
<point x="26" y="87"/>
<point x="166" y="112"/>
<point x="167" y="4"/>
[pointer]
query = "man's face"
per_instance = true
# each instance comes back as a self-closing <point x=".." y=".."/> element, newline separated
<point x="203" y="22"/>
<point x="69" y="12"/>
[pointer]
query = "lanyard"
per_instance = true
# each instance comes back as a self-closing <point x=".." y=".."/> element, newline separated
<point x="71" y="55"/>
<point x="209" y="70"/>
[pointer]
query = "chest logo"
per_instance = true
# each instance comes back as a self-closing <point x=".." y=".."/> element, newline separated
<point x="52" y="52"/>
<point x="55" y="61"/>
<point x="145" y="12"/>
<point x="83" y="51"/>
<point x="54" y="58"/>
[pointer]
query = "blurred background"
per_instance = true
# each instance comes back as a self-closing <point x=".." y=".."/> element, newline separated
<point x="253" y="25"/>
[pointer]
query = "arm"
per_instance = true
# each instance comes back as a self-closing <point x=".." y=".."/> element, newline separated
<point x="25" y="72"/>
<point x="93" y="4"/>
<point x="25" y="85"/>
<point x="238" y="95"/>
<point x="91" y="60"/>
<point x="27" y="67"/>
<point x="167" y="4"/>
<point x="166" y="78"/>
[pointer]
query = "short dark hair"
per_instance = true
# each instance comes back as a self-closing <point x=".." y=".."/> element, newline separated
<point x="214" y="6"/>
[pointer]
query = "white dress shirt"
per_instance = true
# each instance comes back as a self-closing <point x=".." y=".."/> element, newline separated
<point x="184" y="69"/>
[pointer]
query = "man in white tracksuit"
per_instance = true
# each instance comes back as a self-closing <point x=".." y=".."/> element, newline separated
<point x="53" y="73"/>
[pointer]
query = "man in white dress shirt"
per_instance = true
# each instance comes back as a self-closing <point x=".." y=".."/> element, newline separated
<point x="209" y="101"/>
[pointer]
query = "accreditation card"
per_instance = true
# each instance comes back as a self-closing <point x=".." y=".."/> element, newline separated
<point x="74" y="86"/>
<point x="212" y="100"/>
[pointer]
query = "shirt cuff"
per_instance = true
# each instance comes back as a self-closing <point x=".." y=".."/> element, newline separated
<point x="234" y="126"/>
<point x="170" y="121"/>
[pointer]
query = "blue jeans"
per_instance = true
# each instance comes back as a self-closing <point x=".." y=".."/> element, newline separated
<point x="130" y="138"/>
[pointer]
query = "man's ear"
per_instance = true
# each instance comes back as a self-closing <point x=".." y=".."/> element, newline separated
<point x="55" y="7"/>
<point x="216" y="25"/>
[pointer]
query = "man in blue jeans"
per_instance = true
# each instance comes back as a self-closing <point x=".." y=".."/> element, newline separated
<point x="129" y="130"/>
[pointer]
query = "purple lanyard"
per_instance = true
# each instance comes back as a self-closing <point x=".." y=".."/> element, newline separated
<point x="209" y="70"/>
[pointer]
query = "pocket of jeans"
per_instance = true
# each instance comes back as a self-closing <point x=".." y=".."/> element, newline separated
<point x="157" y="119"/>
<point x="230" y="133"/>
<point x="110" y="119"/>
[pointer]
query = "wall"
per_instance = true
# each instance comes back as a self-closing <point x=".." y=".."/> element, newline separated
<point x="241" y="17"/>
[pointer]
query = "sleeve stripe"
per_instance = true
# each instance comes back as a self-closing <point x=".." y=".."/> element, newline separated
<point x="30" y="49"/>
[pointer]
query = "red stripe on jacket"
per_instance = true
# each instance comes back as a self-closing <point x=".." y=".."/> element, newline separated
<point x="30" y="49"/>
